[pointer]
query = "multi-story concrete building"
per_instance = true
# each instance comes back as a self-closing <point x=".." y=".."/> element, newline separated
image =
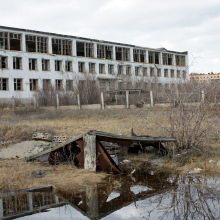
<point x="33" y="60"/>
<point x="203" y="78"/>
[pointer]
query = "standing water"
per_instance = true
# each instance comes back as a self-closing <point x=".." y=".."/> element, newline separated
<point x="149" y="196"/>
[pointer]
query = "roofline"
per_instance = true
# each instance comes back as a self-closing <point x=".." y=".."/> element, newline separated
<point x="90" y="39"/>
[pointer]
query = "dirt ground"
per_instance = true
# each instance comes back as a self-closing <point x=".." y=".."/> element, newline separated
<point x="19" y="125"/>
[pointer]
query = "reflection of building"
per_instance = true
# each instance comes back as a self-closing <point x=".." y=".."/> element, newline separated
<point x="32" y="60"/>
<point x="204" y="78"/>
<point x="95" y="202"/>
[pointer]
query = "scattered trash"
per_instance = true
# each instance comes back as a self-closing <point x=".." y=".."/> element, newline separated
<point x="197" y="169"/>
<point x="126" y="161"/>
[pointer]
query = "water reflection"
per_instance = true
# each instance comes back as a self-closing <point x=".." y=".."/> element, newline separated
<point x="159" y="196"/>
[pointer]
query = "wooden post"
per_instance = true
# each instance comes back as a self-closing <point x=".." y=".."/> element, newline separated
<point x="13" y="102"/>
<point x="89" y="152"/>
<point x="1" y="209"/>
<point x="102" y="101"/>
<point x="127" y="99"/>
<point x="151" y="99"/>
<point x="203" y="96"/>
<point x="92" y="201"/>
<point x="58" y="103"/>
<point x="35" y="102"/>
<point x="78" y="101"/>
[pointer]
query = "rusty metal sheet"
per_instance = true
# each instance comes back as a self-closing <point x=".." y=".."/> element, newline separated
<point x="104" y="161"/>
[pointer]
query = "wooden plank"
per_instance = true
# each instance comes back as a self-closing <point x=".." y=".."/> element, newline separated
<point x="133" y="138"/>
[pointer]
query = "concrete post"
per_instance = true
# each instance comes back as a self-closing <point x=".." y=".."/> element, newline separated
<point x="92" y="202"/>
<point x="78" y="101"/>
<point x="56" y="199"/>
<point x="127" y="99"/>
<point x="58" y="103"/>
<point x="89" y="152"/>
<point x="35" y="102"/>
<point x="1" y="209"/>
<point x="151" y="99"/>
<point x="102" y="101"/>
<point x="203" y="96"/>
<point x="30" y="200"/>
<point x="13" y="102"/>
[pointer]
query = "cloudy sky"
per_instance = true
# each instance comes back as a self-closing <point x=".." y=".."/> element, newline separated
<point x="189" y="25"/>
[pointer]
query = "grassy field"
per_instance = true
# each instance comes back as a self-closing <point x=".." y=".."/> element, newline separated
<point x="19" y="125"/>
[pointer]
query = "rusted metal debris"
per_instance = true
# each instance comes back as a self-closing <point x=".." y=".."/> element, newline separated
<point x="74" y="149"/>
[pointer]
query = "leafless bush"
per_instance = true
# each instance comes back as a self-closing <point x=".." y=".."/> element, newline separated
<point x="193" y="124"/>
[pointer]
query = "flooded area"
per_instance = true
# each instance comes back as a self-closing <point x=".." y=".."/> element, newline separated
<point x="147" y="196"/>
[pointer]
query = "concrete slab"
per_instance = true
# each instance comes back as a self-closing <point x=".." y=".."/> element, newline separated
<point x="26" y="149"/>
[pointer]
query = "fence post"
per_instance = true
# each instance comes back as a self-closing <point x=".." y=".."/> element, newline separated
<point x="203" y="96"/>
<point x="102" y="101"/>
<point x="151" y="99"/>
<point x="78" y="101"/>
<point x="127" y="99"/>
<point x="35" y="102"/>
<point x="58" y="103"/>
<point x="13" y="102"/>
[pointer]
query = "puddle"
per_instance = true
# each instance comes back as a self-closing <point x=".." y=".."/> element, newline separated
<point x="159" y="196"/>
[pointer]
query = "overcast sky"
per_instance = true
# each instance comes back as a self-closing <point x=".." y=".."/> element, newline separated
<point x="186" y="25"/>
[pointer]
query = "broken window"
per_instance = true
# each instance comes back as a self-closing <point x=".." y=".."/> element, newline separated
<point x="18" y="84"/>
<point x="167" y="59"/>
<point x="17" y="65"/>
<point x="180" y="60"/>
<point x="69" y="66"/>
<point x="151" y="72"/>
<point x="10" y="41"/>
<point x="33" y="84"/>
<point x="145" y="71"/>
<point x="139" y="55"/>
<point x="102" y="68"/>
<point x="46" y="84"/>
<point x="61" y="46"/>
<point x="3" y="84"/>
<point x="104" y="51"/>
<point x="32" y="64"/>
<point x="120" y="70"/>
<point x="45" y="65"/>
<point x="36" y="44"/>
<point x="184" y="75"/>
<point x="81" y="67"/>
<point x="122" y="53"/>
<point x="137" y="71"/>
<point x="158" y="72"/>
<point x="178" y="74"/>
<point x="84" y="49"/>
<point x="58" y="65"/>
<point x="172" y="73"/>
<point x="166" y="73"/>
<point x="92" y="67"/>
<point x="128" y="70"/>
<point x="153" y="57"/>
<point x="69" y="85"/>
<point x="110" y="69"/>
<point x="59" y="84"/>
<point x="3" y="62"/>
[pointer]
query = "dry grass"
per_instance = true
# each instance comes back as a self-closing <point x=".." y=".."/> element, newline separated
<point x="16" y="174"/>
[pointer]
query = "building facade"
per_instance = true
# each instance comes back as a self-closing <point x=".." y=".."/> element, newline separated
<point x="33" y="60"/>
<point x="204" y="78"/>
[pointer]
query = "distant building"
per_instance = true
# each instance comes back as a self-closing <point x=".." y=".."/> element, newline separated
<point x="204" y="78"/>
<point x="34" y="60"/>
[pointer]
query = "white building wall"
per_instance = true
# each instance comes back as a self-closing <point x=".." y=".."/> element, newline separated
<point x="27" y="74"/>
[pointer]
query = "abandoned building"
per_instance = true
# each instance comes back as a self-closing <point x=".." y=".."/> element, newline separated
<point x="34" y="60"/>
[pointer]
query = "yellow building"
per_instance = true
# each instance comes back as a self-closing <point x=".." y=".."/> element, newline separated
<point x="204" y="78"/>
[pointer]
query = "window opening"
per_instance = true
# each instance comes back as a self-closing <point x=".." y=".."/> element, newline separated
<point x="17" y="63"/>
<point x="3" y="84"/>
<point x="17" y="84"/>
<point x="32" y="64"/>
<point x="33" y="84"/>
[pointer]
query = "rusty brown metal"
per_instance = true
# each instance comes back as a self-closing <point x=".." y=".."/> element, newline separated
<point x="104" y="161"/>
<point x="80" y="156"/>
